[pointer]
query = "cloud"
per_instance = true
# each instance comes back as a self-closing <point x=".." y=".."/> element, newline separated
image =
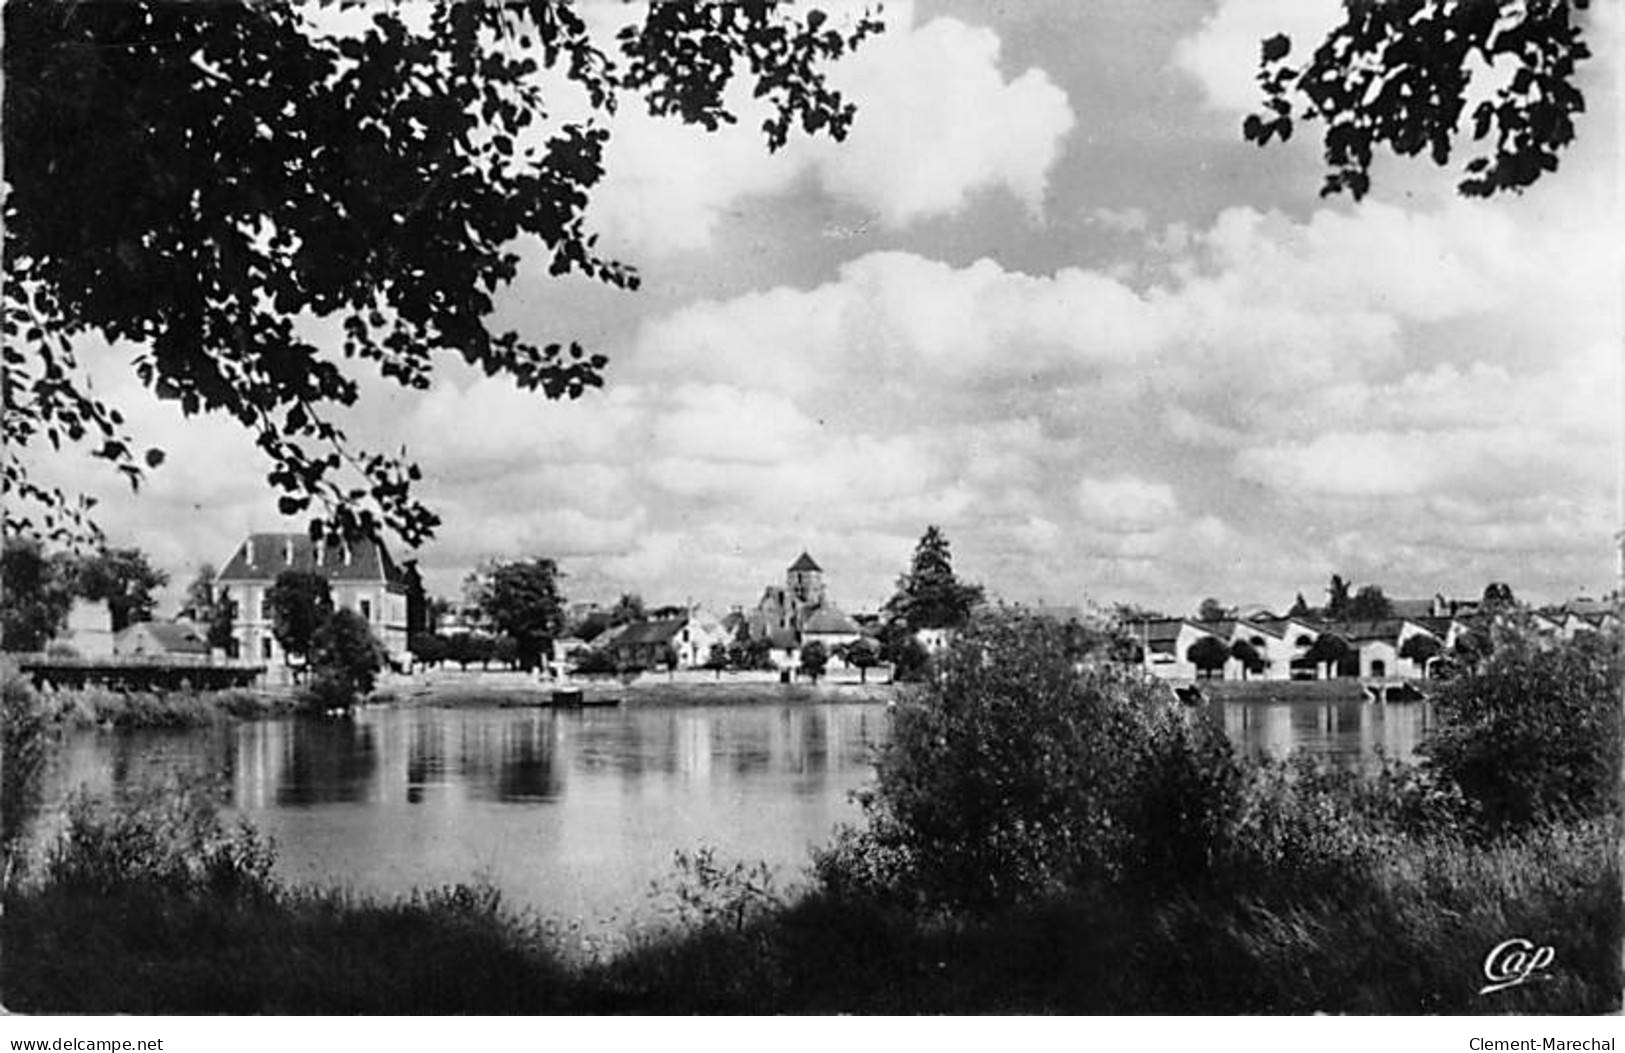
<point x="1223" y="54"/>
<point x="1125" y="504"/>
<point x="938" y="122"/>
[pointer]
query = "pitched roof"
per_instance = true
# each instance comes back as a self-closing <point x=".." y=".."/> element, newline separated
<point x="1161" y="635"/>
<point x="1381" y="629"/>
<point x="1165" y="630"/>
<point x="830" y="619"/>
<point x="263" y="556"/>
<point x="174" y="637"/>
<point x="656" y="632"/>
<point x="1412" y="609"/>
<point x="1265" y="626"/>
<point x="805" y="562"/>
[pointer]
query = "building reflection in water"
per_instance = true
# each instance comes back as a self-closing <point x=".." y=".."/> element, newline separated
<point x="577" y="813"/>
<point x="1351" y="734"/>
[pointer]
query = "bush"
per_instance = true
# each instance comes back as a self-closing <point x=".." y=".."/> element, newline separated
<point x="345" y="659"/>
<point x="167" y="836"/>
<point x="593" y="662"/>
<point x="1015" y="774"/>
<point x="26" y="729"/>
<point x="1532" y="734"/>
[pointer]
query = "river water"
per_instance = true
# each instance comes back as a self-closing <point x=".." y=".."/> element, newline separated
<point x="577" y="813"/>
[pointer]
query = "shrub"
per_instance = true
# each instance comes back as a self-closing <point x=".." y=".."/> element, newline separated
<point x="1532" y="734"/>
<point x="345" y="659"/>
<point x="814" y="660"/>
<point x="167" y="836"/>
<point x="1015" y="773"/>
<point x="707" y="894"/>
<point x="25" y="733"/>
<point x="594" y="661"/>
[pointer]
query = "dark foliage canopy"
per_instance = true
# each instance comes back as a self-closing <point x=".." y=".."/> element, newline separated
<point x="38" y="590"/>
<point x="345" y="658"/>
<point x="1400" y="74"/>
<point x="124" y="580"/>
<point x="1337" y="597"/>
<point x="301" y="601"/>
<point x="1532" y="735"/>
<point x="36" y="593"/>
<point x="930" y="596"/>
<point x="523" y="601"/>
<point x="199" y="180"/>
<point x="1328" y="648"/>
<point x="1369" y="604"/>
<point x="1208" y="653"/>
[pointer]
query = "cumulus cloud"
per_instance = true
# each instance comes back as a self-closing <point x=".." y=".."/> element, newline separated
<point x="938" y="122"/>
<point x="1125" y="504"/>
<point x="1223" y="54"/>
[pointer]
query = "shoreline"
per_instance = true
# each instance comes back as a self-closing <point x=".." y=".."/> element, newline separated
<point x="515" y="690"/>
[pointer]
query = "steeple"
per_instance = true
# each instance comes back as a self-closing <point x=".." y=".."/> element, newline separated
<point x="805" y="581"/>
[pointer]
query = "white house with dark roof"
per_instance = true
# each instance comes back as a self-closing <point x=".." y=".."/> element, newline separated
<point x="1166" y="643"/>
<point x="830" y="626"/>
<point x="361" y="574"/>
<point x="1272" y="641"/>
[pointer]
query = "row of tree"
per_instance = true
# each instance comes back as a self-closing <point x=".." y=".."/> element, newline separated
<point x="1367" y="603"/>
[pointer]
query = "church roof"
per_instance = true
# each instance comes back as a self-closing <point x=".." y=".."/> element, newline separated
<point x="828" y="619"/>
<point x="805" y="562"/>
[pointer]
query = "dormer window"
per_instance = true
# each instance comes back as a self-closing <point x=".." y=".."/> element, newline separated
<point x="287" y="551"/>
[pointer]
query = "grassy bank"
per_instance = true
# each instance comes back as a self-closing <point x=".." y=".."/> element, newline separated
<point x="1407" y="939"/>
<point x="93" y="707"/>
<point x="97" y="707"/>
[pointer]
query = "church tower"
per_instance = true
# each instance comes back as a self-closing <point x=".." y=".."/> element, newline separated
<point x="805" y="582"/>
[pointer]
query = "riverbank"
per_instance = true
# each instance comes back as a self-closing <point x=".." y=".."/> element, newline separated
<point x="93" y="707"/>
<point x="453" y="688"/>
<point x="1317" y="692"/>
<point x="1408" y="937"/>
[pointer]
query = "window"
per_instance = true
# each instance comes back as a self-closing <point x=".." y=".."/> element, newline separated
<point x="366" y="609"/>
<point x="1379" y="668"/>
<point x="265" y="608"/>
<point x="265" y="647"/>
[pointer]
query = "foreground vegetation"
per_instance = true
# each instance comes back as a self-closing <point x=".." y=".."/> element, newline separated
<point x="1039" y="839"/>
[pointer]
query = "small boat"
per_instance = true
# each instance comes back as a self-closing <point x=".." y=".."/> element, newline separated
<point x="576" y="698"/>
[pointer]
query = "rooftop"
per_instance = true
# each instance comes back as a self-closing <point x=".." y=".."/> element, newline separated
<point x="263" y="556"/>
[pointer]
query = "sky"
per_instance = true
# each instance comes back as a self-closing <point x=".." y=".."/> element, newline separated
<point x="1045" y="298"/>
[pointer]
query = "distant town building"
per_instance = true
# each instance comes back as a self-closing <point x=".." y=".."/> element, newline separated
<point x="361" y="574"/>
<point x="161" y="639"/>
<point x="89" y="630"/>
<point x="800" y="612"/>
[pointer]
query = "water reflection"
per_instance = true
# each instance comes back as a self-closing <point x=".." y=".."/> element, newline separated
<point x="576" y="813"/>
<point x="1349" y="733"/>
